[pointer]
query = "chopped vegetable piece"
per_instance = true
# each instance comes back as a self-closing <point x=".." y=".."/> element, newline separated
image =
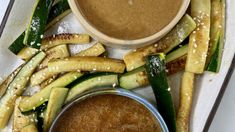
<point x="155" y="67"/>
<point x="40" y="76"/>
<point x="176" y="65"/>
<point x="29" y="128"/>
<point x="18" y="44"/>
<point x="35" y="30"/>
<point x="88" y="82"/>
<point x="86" y="63"/>
<point x="55" y="103"/>
<point x="186" y="98"/>
<point x="16" y="88"/>
<point x="20" y="120"/>
<point x="94" y="50"/>
<point x="58" y="52"/>
<point x="42" y="96"/>
<point x="4" y="85"/>
<point x="216" y="36"/>
<point x="180" y="32"/>
<point x="177" y="53"/>
<point x="48" y="81"/>
<point x="27" y="53"/>
<point x="199" y="39"/>
<point x="60" y="39"/>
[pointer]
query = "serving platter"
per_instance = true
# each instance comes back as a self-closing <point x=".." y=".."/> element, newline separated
<point x="208" y="86"/>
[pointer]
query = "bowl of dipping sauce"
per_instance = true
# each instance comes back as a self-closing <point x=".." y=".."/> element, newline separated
<point x="128" y="23"/>
<point x="108" y="110"/>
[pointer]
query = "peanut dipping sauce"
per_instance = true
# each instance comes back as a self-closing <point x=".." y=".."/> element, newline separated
<point x="129" y="19"/>
<point x="107" y="113"/>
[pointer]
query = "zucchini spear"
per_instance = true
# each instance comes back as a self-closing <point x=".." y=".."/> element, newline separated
<point x="186" y="98"/>
<point x="181" y="31"/>
<point x="95" y="50"/>
<point x="216" y="36"/>
<point x="17" y="87"/>
<point x="86" y="63"/>
<point x="155" y="67"/>
<point x="199" y="39"/>
<point x="36" y="28"/>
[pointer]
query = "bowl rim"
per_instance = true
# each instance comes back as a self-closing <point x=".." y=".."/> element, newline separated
<point x="103" y="37"/>
<point x="113" y="91"/>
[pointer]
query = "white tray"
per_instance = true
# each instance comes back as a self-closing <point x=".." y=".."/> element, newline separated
<point x="208" y="86"/>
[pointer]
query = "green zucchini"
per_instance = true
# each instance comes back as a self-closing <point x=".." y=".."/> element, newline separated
<point x="7" y="81"/>
<point x="155" y="67"/>
<point x="42" y="96"/>
<point x="179" y="33"/>
<point x="199" y="39"/>
<point x="29" y="128"/>
<point x="175" y="62"/>
<point x="18" y="44"/>
<point x="37" y="24"/>
<point x="55" y="103"/>
<point x="40" y="76"/>
<point x="216" y="36"/>
<point x="27" y="53"/>
<point x="186" y="99"/>
<point x="17" y="87"/>
<point x="86" y="63"/>
<point x="91" y="81"/>
<point x="58" y="11"/>
<point x="95" y="50"/>
<point x="66" y="38"/>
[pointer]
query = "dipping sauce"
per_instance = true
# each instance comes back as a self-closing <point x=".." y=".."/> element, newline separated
<point x="107" y="113"/>
<point x="129" y="19"/>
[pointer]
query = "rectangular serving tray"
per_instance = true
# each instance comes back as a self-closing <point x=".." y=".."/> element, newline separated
<point x="209" y="87"/>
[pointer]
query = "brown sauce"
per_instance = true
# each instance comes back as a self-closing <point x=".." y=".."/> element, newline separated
<point x="107" y="113"/>
<point x="129" y="19"/>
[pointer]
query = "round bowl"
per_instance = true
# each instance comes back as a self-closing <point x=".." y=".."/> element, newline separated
<point x="114" y="91"/>
<point x="121" y="43"/>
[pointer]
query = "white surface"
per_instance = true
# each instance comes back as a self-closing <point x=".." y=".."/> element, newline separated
<point x="206" y="104"/>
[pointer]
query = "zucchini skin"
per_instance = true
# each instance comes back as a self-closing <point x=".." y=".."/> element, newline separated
<point x="18" y="44"/>
<point x="91" y="81"/>
<point x="36" y="28"/>
<point x="57" y="9"/>
<point x="17" y="87"/>
<point x="155" y="67"/>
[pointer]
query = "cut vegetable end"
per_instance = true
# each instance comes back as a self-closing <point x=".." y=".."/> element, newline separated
<point x="40" y="76"/>
<point x="27" y="53"/>
<point x="180" y="32"/>
<point x="18" y="44"/>
<point x="60" y="39"/>
<point x="95" y="50"/>
<point x="86" y="64"/>
<point x="186" y="97"/>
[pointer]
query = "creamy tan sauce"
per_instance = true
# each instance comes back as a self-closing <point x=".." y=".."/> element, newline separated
<point x="129" y="19"/>
<point x="107" y="113"/>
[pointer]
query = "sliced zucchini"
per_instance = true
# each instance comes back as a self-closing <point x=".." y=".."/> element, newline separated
<point x="17" y="87"/>
<point x="181" y="31"/>
<point x="42" y="96"/>
<point x="29" y="128"/>
<point x="58" y="11"/>
<point x="155" y="67"/>
<point x="60" y="39"/>
<point x="95" y="50"/>
<point x="91" y="81"/>
<point x="186" y="98"/>
<point x="7" y="81"/>
<point x="40" y="76"/>
<point x="18" y="44"/>
<point x="55" y="103"/>
<point x="216" y="35"/>
<point x="58" y="52"/>
<point x="27" y="53"/>
<point x="20" y="120"/>
<point x="199" y="39"/>
<point x="177" y="53"/>
<point x="86" y="63"/>
<point x="37" y="24"/>
<point x="176" y="65"/>
<point x="48" y="81"/>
